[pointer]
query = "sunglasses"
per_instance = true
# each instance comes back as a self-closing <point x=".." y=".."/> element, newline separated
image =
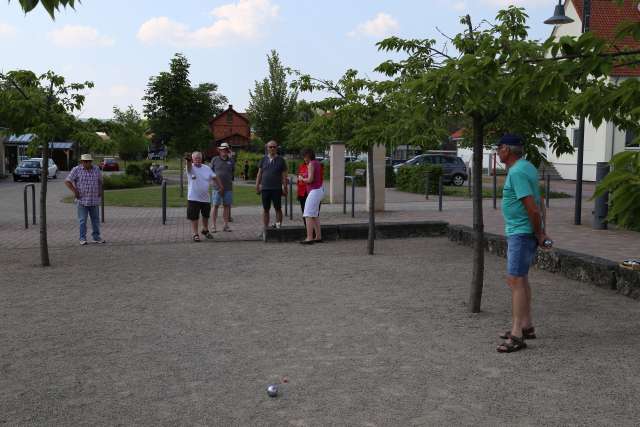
<point x="272" y="146"/>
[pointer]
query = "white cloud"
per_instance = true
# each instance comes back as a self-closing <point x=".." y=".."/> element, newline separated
<point x="7" y="31"/>
<point x="241" y="20"/>
<point x="382" y="25"/>
<point x="79" y="36"/>
<point x="459" y="6"/>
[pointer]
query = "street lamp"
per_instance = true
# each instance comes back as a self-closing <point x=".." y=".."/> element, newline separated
<point x="560" y="18"/>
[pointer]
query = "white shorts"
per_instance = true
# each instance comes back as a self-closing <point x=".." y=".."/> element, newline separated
<point x="312" y="204"/>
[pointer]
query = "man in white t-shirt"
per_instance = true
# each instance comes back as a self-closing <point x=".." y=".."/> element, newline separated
<point x="199" y="177"/>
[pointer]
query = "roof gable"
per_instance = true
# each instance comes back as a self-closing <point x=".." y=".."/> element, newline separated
<point x="243" y="116"/>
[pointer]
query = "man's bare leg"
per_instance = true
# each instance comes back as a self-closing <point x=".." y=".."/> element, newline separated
<point x="265" y="218"/>
<point x="194" y="227"/>
<point x="519" y="304"/>
<point x="226" y="214"/>
<point x="214" y="216"/>
<point x="279" y="215"/>
<point x="527" y="322"/>
<point x="205" y="224"/>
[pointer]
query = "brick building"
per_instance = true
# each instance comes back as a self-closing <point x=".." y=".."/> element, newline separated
<point x="231" y="127"/>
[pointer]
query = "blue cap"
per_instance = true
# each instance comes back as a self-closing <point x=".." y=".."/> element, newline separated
<point x="511" y="139"/>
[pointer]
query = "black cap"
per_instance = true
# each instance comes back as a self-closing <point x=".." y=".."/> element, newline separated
<point x="511" y="139"/>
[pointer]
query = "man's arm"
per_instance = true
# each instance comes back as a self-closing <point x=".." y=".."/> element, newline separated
<point x="70" y="184"/>
<point x="285" y="180"/>
<point x="219" y="184"/>
<point x="535" y="218"/>
<point x="258" y="180"/>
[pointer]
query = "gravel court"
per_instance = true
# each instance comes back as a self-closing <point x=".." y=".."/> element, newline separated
<point x="128" y="335"/>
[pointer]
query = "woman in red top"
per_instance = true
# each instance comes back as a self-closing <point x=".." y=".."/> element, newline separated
<point x="315" y="193"/>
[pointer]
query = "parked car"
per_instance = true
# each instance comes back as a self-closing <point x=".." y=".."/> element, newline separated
<point x="29" y="170"/>
<point x="454" y="171"/>
<point x="109" y="164"/>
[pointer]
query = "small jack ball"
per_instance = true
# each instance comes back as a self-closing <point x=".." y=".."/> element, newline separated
<point x="272" y="390"/>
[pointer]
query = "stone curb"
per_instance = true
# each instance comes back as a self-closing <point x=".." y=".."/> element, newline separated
<point x="584" y="268"/>
<point x="384" y="230"/>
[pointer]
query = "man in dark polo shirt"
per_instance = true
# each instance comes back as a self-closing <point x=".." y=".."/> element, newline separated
<point x="271" y="183"/>
<point x="222" y="166"/>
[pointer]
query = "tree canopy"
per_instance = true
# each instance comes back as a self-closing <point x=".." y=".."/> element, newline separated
<point x="51" y="6"/>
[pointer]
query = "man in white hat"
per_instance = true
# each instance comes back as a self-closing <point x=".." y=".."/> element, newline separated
<point x="85" y="182"/>
<point x="223" y="166"/>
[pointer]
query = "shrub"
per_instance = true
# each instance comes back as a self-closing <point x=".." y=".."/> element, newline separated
<point x="623" y="185"/>
<point x="412" y="178"/>
<point x="350" y="169"/>
<point x="115" y="182"/>
<point x="253" y="159"/>
<point x="133" y="169"/>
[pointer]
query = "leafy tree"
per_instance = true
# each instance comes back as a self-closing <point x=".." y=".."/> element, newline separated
<point x="500" y="81"/>
<point x="178" y="113"/>
<point x="272" y="103"/>
<point x="40" y="105"/>
<point x="301" y="131"/>
<point x="128" y="133"/>
<point x="51" y="6"/>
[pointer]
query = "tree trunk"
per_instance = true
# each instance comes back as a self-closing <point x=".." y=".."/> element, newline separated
<point x="181" y="178"/>
<point x="44" y="174"/>
<point x="478" y="222"/>
<point x="372" y="202"/>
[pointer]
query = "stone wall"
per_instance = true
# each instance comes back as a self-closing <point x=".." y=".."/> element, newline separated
<point x="584" y="268"/>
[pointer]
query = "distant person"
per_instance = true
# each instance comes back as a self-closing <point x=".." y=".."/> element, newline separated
<point x="199" y="176"/>
<point x="245" y="170"/>
<point x="524" y="228"/>
<point x="315" y="194"/>
<point x="271" y="183"/>
<point x="302" y="189"/>
<point x="85" y="182"/>
<point x="222" y="166"/>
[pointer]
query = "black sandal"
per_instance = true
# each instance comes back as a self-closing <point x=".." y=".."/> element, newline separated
<point x="195" y="238"/>
<point x="512" y="345"/>
<point x="207" y="234"/>
<point x="306" y="242"/>
<point x="527" y="334"/>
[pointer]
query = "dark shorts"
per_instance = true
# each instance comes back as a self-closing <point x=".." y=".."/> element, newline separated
<point x="521" y="250"/>
<point x="195" y="209"/>
<point x="272" y="196"/>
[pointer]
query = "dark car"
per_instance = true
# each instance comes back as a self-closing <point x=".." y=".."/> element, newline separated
<point x="29" y="170"/>
<point x="454" y="171"/>
<point x="109" y="164"/>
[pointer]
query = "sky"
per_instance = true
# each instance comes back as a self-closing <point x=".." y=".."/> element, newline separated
<point x="119" y="44"/>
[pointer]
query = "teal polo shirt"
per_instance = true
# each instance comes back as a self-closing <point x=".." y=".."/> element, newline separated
<point x="522" y="181"/>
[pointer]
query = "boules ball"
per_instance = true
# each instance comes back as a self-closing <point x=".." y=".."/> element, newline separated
<point x="272" y="390"/>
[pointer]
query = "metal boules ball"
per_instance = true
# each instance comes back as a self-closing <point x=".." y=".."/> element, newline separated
<point x="272" y="390"/>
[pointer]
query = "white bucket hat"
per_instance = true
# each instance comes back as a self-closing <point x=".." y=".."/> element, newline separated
<point x="225" y="145"/>
<point x="86" y="157"/>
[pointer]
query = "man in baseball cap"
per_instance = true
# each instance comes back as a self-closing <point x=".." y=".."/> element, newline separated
<point x="85" y="182"/>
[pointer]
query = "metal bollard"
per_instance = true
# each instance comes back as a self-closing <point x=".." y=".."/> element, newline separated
<point x="495" y="189"/>
<point x="102" y="204"/>
<point x="353" y="197"/>
<point x="286" y="205"/>
<point x="344" y="197"/>
<point x="601" y="209"/>
<point x="426" y="185"/>
<point x="164" y="201"/>
<point x="440" y="194"/>
<point x="291" y="198"/>
<point x="547" y="189"/>
<point x="33" y="205"/>
<point x="469" y="183"/>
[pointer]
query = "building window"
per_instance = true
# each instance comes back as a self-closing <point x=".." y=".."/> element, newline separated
<point x="576" y="136"/>
<point x="629" y="139"/>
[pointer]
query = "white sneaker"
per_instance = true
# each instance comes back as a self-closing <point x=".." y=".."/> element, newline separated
<point x="101" y="240"/>
<point x="83" y="242"/>
<point x="278" y="225"/>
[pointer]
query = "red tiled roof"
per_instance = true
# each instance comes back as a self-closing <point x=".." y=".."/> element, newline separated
<point x="457" y="134"/>
<point x="606" y="15"/>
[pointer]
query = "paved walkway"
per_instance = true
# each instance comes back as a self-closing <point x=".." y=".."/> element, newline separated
<point x="176" y="335"/>
<point x="144" y="225"/>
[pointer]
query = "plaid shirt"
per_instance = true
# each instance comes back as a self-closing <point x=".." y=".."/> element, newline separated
<point x="88" y="183"/>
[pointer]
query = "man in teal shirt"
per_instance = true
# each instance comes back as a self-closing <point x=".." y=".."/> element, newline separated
<point x="521" y="207"/>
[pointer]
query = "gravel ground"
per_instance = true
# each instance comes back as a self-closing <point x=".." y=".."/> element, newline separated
<point x="188" y="334"/>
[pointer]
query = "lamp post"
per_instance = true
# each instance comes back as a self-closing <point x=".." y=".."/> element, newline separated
<point x="560" y="18"/>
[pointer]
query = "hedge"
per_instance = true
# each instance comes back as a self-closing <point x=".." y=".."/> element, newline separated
<point x="115" y="182"/>
<point x="412" y="178"/>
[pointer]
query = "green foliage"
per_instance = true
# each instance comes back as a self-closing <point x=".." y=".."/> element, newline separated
<point x="350" y="170"/>
<point x="272" y="105"/>
<point x="51" y="6"/>
<point x="178" y="113"/>
<point x="412" y="178"/>
<point x="389" y="177"/>
<point x="133" y="169"/>
<point x="114" y="182"/>
<point x="128" y="133"/>
<point x="253" y="160"/>
<point x="623" y="185"/>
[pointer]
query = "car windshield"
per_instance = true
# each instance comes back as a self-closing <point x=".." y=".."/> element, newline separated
<point x="413" y="161"/>
<point x="30" y="164"/>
